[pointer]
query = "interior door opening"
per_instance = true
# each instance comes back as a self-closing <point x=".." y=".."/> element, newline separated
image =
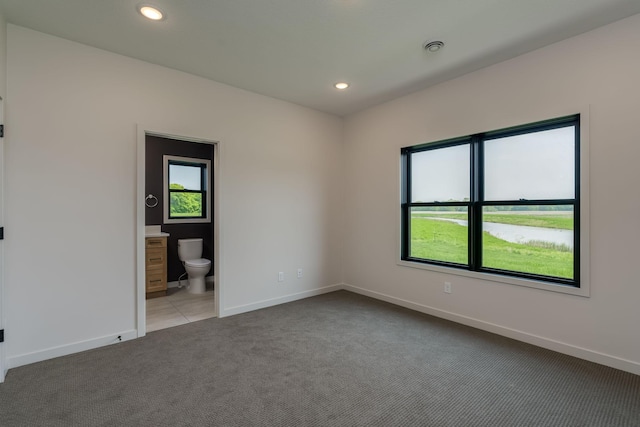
<point x="177" y="258"/>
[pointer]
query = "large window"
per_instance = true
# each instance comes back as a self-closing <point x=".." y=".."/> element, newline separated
<point x="186" y="198"/>
<point x="504" y="202"/>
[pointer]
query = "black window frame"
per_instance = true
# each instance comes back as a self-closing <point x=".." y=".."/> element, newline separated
<point x="476" y="203"/>
<point x="202" y="191"/>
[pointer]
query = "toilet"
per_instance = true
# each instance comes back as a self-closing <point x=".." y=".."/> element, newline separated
<point x="190" y="253"/>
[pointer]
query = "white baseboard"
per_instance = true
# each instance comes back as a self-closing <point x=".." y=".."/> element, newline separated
<point x="560" y="347"/>
<point x="280" y="300"/>
<point x="64" y="350"/>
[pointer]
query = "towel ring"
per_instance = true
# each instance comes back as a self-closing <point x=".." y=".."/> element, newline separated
<point x="151" y="201"/>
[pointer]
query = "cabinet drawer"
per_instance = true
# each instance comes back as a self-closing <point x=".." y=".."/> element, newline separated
<point x="155" y="282"/>
<point x="156" y="242"/>
<point x="155" y="258"/>
<point x="156" y="266"/>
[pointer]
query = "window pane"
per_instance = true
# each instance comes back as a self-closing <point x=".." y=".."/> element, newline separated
<point x="534" y="166"/>
<point x="183" y="177"/>
<point x="440" y="175"/>
<point x="439" y="235"/>
<point x="529" y="239"/>
<point x="185" y="205"/>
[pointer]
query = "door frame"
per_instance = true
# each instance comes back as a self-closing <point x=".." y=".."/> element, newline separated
<point x="142" y="133"/>
<point x="3" y="323"/>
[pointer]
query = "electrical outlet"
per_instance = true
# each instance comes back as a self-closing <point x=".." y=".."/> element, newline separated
<point x="447" y="287"/>
<point x="281" y="276"/>
<point x="299" y="273"/>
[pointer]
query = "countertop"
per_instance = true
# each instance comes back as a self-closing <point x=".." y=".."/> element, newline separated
<point x="160" y="234"/>
<point x="154" y="231"/>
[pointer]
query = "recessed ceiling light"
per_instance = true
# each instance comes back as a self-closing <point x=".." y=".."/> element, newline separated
<point x="151" y="12"/>
<point x="433" y="46"/>
<point x="341" y="85"/>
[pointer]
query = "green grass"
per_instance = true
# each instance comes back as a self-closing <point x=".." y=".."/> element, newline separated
<point x="560" y="221"/>
<point x="447" y="241"/>
<point x="439" y="240"/>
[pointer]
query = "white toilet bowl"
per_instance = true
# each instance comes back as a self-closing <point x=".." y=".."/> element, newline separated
<point x="197" y="269"/>
<point x="190" y="252"/>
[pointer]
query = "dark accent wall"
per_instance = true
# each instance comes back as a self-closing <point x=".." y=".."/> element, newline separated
<point x="155" y="148"/>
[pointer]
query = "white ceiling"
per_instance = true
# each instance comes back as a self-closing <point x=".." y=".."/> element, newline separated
<point x="296" y="50"/>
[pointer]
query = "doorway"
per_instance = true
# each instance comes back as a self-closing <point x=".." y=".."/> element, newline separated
<point x="3" y="366"/>
<point x="176" y="301"/>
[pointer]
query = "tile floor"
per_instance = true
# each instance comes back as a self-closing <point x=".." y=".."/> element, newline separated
<point x="177" y="308"/>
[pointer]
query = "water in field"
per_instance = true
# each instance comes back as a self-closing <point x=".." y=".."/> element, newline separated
<point x="522" y="233"/>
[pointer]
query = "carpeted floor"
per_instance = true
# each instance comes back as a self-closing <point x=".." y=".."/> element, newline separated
<point x="338" y="359"/>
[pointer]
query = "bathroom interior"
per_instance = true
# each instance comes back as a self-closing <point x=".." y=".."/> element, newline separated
<point x="179" y="274"/>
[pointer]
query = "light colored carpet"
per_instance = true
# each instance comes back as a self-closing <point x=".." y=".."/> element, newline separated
<point x="338" y="359"/>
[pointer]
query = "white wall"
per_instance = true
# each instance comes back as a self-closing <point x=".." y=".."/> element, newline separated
<point x="598" y="70"/>
<point x="71" y="180"/>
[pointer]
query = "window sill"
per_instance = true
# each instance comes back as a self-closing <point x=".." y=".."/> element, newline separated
<point x="583" y="291"/>
<point x="186" y="220"/>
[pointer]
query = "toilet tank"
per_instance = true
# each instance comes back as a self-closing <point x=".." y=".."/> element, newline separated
<point x="189" y="249"/>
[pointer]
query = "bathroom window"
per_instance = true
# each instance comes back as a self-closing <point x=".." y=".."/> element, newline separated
<point x="186" y="195"/>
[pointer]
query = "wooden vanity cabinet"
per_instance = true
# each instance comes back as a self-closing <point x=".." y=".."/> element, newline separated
<point x="156" y="266"/>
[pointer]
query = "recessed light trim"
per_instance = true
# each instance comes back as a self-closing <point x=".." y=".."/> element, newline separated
<point x="433" y="46"/>
<point x="151" y="12"/>
<point x="341" y="85"/>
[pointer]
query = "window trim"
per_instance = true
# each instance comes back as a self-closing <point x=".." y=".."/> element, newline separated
<point x="167" y="160"/>
<point x="581" y="212"/>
